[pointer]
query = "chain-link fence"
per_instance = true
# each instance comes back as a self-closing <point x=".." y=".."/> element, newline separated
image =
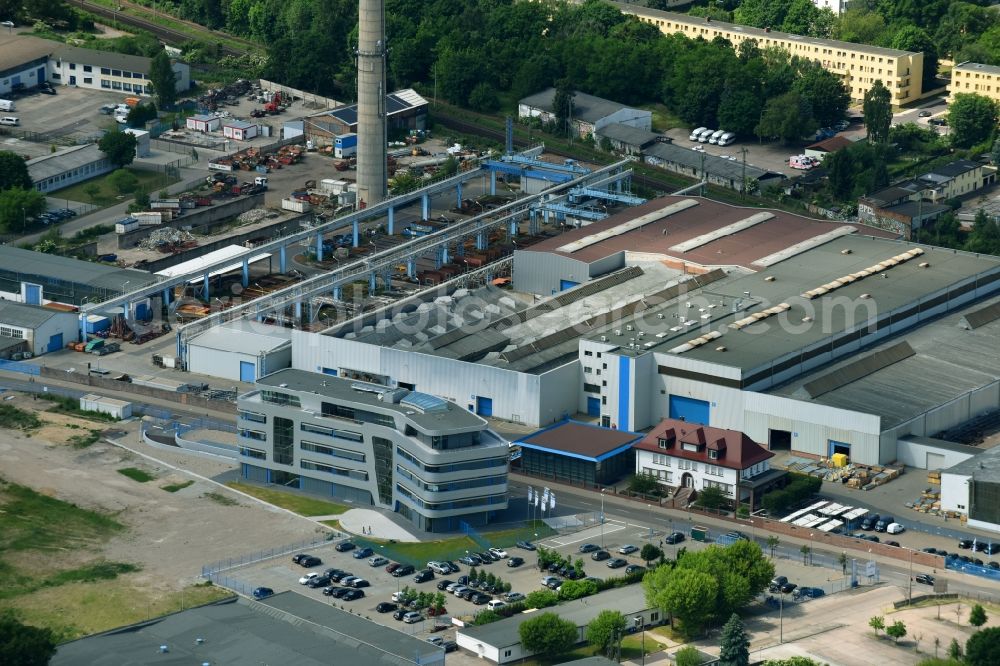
<point x="209" y="570"/>
<point x="230" y="583"/>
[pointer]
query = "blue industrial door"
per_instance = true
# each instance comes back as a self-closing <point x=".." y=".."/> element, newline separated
<point x="14" y="80"/>
<point x="41" y="75"/>
<point x="689" y="409"/>
<point x="33" y="294"/>
<point x="593" y="406"/>
<point x="330" y="371"/>
<point x="484" y="406"/>
<point x="248" y="372"/>
<point x="566" y="284"/>
<point x="838" y="447"/>
<point x="72" y="80"/>
<point x="55" y="342"/>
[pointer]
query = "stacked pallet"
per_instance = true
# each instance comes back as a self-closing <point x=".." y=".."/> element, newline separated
<point x="934" y="476"/>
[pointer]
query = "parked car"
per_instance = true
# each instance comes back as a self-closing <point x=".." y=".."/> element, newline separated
<point x="487" y="557"/>
<point x="392" y="566"/>
<point x="776" y="583"/>
<point x="454" y="567"/>
<point x="525" y="545"/>
<point x="329" y="590"/>
<point x="926" y="579"/>
<point x="992" y="548"/>
<point x="498" y="553"/>
<point x="435" y="640"/>
<point x="262" y="592"/>
<point x="377" y="561"/>
<point x="883" y="523"/>
<point x="550" y="581"/>
<point x="892" y="543"/>
<point x="808" y="593"/>
<point x="469" y="560"/>
<point x="468" y="593"/>
<point x="386" y="607"/>
<point x="634" y="568"/>
<point x="737" y="535"/>
<point x="695" y="133"/>
<point x="362" y="553"/>
<point x="788" y="588"/>
<point x="478" y="598"/>
<point x="297" y="558"/>
<point x="459" y="590"/>
<point x="349" y="580"/>
<point x="423" y="576"/>
<point x="310" y="561"/>
<point x="345" y="546"/>
<point x="674" y="538"/>
<point x="932" y="551"/>
<point x="308" y="577"/>
<point x="589" y="548"/>
<point x="449" y="646"/>
<point x="868" y="522"/>
<point x="353" y="595"/>
<point x="339" y="576"/>
<point x="515" y="561"/>
<point x="600" y="555"/>
<point x="318" y="581"/>
<point x="439" y="567"/>
<point x="412" y="617"/>
<point x="444" y="583"/>
<point x="924" y="114"/>
<point x="617" y="563"/>
<point x="404" y="570"/>
<point x="965" y="544"/>
<point x="359" y="582"/>
<point x="399" y="614"/>
<point x="512" y="597"/>
<point x="628" y="549"/>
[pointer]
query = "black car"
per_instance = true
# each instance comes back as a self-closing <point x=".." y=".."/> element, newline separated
<point x="296" y="559"/>
<point x="634" y="568"/>
<point x="310" y="561"/>
<point x="617" y="563"/>
<point x="424" y="576"/>
<point x="932" y="551"/>
<point x="979" y="546"/>
<point x="463" y="580"/>
<point x="965" y="544"/>
<point x="352" y="595"/>
<point x="449" y="646"/>
<point x="340" y="592"/>
<point x="487" y="557"/>
<point x="47" y="90"/>
<point x="992" y="548"/>
<point x="808" y="593"/>
<point x="386" y="607"/>
<point x="994" y="565"/>
<point x="776" y="583"/>
<point x="444" y="583"/>
<point x="869" y="522"/>
<point x="574" y="574"/>
<point x="330" y="590"/>
<point x="468" y="593"/>
<point x="319" y="581"/>
<point x="515" y="561"/>
<point x="553" y="568"/>
<point x="363" y="553"/>
<point x="589" y="548"/>
<point x="474" y="584"/>
<point x="333" y="572"/>
<point x="480" y="599"/>
<point x="600" y="555"/>
<point x="788" y="588"/>
<point x="926" y="579"/>
<point x="451" y="565"/>
<point x="360" y="582"/>
<point x="404" y="570"/>
<point x="674" y="537"/>
<point x="345" y="546"/>
<point x="525" y="545"/>
<point x="339" y="576"/>
<point x="262" y="592"/>
<point x="398" y="615"/>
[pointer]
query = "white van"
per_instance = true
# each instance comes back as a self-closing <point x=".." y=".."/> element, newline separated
<point x="13" y="121"/>
<point x="6" y="105"/>
<point x="727" y="139"/>
<point x="715" y="136"/>
<point x="895" y="528"/>
<point x="496" y="604"/>
<point x="693" y="136"/>
<point x="800" y="162"/>
<point x="705" y="136"/>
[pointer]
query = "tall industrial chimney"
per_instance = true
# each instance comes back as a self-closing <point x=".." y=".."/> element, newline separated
<point x="371" y="102"/>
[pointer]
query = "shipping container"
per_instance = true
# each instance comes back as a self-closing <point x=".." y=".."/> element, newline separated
<point x="97" y="324"/>
<point x="126" y="225"/>
<point x="165" y="203"/>
<point x="149" y="219"/>
<point x="296" y="205"/>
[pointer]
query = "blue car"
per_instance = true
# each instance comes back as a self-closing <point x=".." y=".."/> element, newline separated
<point x="362" y="553"/>
<point x="262" y="592"/>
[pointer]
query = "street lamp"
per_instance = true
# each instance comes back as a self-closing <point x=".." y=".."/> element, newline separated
<point x="602" y="516"/>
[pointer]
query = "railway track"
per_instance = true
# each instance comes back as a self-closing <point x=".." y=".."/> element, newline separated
<point x="164" y="34"/>
<point x="466" y="127"/>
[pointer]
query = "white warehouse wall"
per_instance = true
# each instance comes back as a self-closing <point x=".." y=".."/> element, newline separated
<point x="955" y="492"/>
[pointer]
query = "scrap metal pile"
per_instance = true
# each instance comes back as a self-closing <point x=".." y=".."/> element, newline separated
<point x="167" y="240"/>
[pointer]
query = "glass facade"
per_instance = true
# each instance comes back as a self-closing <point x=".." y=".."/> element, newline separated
<point x="382" y="448"/>
<point x="577" y="471"/>
<point x="284" y="441"/>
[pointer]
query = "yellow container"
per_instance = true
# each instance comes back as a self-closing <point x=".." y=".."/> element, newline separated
<point x="839" y="459"/>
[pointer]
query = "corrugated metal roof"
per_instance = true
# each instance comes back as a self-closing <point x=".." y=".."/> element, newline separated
<point x="981" y="317"/>
<point x="585" y="107"/>
<point x="633" y="136"/>
<point x="244" y="337"/>
<point x="27" y="264"/>
<point x="714" y="165"/>
<point x="47" y="166"/>
<point x="23" y="315"/>
<point x="857" y="369"/>
<point x="17" y="50"/>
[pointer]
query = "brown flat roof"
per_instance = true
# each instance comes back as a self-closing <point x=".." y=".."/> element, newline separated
<point x="17" y="49"/>
<point x="740" y="249"/>
<point x="581" y="440"/>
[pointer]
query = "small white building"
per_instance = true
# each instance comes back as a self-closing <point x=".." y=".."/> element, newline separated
<point x="240" y="130"/>
<point x="68" y="167"/>
<point x="44" y="329"/>
<point x="203" y="123"/>
<point x="588" y="113"/>
<point x="972" y="488"/>
<point x="689" y="455"/>
<point x="141" y="141"/>
<point x="241" y="351"/>
<point x="120" y="409"/>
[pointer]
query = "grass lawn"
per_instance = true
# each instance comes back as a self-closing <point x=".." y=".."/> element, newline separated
<point x="174" y="487"/>
<point x="663" y="118"/>
<point x="455" y="547"/>
<point x="631" y="649"/>
<point x="18" y="419"/>
<point x="136" y="474"/>
<point x="300" y="504"/>
<point x="149" y="181"/>
<point x="78" y="609"/>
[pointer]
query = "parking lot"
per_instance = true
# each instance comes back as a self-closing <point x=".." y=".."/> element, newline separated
<point x="71" y="112"/>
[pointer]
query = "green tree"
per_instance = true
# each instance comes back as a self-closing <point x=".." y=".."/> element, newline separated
<point x="912" y="38"/>
<point x="577" y="589"/>
<point x="650" y="552"/>
<point x="955" y="650"/>
<point x="977" y="616"/>
<point x="541" y="599"/>
<point x="119" y="147"/>
<point x="17" y="206"/>
<point x="734" y="643"/>
<point x="972" y="118"/>
<point x="985" y="235"/>
<point x="548" y="635"/>
<point x="140" y="114"/>
<point x="484" y="98"/>
<point x="806" y="553"/>
<point x="983" y="648"/>
<point x="827" y="95"/>
<point x="896" y="630"/>
<point x="711" y="498"/>
<point x="877" y="622"/>
<point x="562" y="107"/>
<point x="842" y="561"/>
<point x="877" y="110"/>
<point x="688" y="656"/>
<point x="643" y="483"/>
<point x="787" y="117"/>
<point x="124" y="181"/>
<point x="22" y="644"/>
<point x="772" y="544"/>
<point x="605" y="630"/>
<point x="163" y="80"/>
<point x="995" y="153"/>
<point x="685" y="594"/>
<point x="13" y="171"/>
<point x="861" y="26"/>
